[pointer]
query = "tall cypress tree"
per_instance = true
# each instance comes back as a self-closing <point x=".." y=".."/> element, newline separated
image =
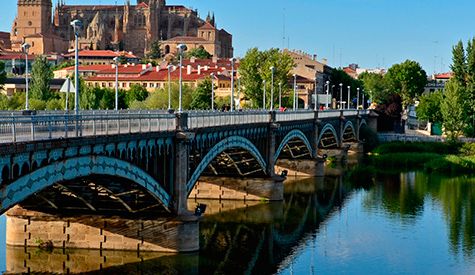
<point x="41" y="75"/>
<point x="459" y="65"/>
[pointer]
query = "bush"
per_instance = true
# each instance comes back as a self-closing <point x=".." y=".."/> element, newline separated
<point x="451" y="164"/>
<point x="55" y="104"/>
<point x="403" y="160"/>
<point x="37" y="104"/>
<point x="417" y="147"/>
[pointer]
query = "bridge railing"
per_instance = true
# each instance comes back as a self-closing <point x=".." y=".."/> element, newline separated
<point x="294" y="115"/>
<point x="19" y="128"/>
<point x="215" y="119"/>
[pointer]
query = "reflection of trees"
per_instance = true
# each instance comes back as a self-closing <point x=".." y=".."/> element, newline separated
<point x="402" y="197"/>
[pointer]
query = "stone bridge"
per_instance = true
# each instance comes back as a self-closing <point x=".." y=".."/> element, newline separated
<point x="148" y="163"/>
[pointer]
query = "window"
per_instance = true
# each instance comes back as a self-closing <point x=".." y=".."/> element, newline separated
<point x="30" y="23"/>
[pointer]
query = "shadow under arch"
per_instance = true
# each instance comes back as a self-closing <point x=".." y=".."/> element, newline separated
<point x="228" y="143"/>
<point x="325" y="129"/>
<point x="290" y="136"/>
<point x="75" y="168"/>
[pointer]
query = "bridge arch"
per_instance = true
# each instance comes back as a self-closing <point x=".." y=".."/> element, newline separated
<point x="349" y="125"/>
<point x="228" y="143"/>
<point x="326" y="128"/>
<point x="75" y="168"/>
<point x="290" y="136"/>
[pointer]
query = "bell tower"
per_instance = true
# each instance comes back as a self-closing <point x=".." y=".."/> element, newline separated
<point x="33" y="17"/>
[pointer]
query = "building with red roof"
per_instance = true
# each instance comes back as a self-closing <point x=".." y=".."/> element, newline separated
<point x="102" y="57"/>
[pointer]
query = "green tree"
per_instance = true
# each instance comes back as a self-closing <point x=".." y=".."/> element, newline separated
<point x="375" y="87"/>
<point x="3" y="74"/>
<point x="339" y="76"/>
<point x="37" y="104"/>
<point x="199" y="52"/>
<point x="155" y="50"/>
<point x="136" y="93"/>
<point x="41" y="75"/>
<point x="254" y="68"/>
<point x="452" y="110"/>
<point x="459" y="63"/>
<point x="159" y="98"/>
<point x="201" y="97"/>
<point x="407" y="79"/>
<point x="55" y="104"/>
<point x="429" y="107"/>
<point x="62" y="65"/>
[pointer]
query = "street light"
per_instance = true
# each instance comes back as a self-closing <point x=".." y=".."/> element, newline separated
<point x="77" y="26"/>
<point x="25" y="48"/>
<point x="363" y="102"/>
<point x="272" y="69"/>
<point x="116" y="62"/>
<point x="316" y="97"/>
<point x="341" y="96"/>
<point x="232" y="84"/>
<point x="357" y="98"/>
<point x="239" y="93"/>
<point x="181" y="49"/>
<point x="212" y="91"/>
<point x="295" y="93"/>
<point x="264" y="95"/>
<point x="169" y="68"/>
<point x="328" y="90"/>
<point x="348" y="106"/>
<point x="280" y="94"/>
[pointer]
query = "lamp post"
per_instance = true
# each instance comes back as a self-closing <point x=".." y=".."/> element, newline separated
<point x="357" y="98"/>
<point x="181" y="49"/>
<point x="232" y="84"/>
<point x="315" y="108"/>
<point x="341" y="96"/>
<point x="169" y="68"/>
<point x="116" y="62"/>
<point x="328" y="90"/>
<point x="25" y="48"/>
<point x="239" y="93"/>
<point x="212" y="91"/>
<point x="348" y="104"/>
<point x="363" y="102"/>
<point x="295" y="93"/>
<point x="272" y="69"/>
<point x="280" y="94"/>
<point x="264" y="95"/>
<point x="77" y="25"/>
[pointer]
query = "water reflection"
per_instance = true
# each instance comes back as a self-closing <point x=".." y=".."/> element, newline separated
<point x="323" y="225"/>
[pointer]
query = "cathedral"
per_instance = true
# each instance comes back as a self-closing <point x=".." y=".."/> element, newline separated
<point x="118" y="27"/>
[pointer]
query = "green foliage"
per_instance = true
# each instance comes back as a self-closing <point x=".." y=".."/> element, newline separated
<point x="136" y="93"/>
<point x="429" y="107"/>
<point x="55" y="104"/>
<point x="159" y="98"/>
<point x="416" y="147"/>
<point x="15" y="102"/>
<point x="339" y="76"/>
<point x="369" y="138"/>
<point x="459" y="65"/>
<point x="201" y="97"/>
<point x="407" y="79"/>
<point x="62" y="65"/>
<point x="375" y="87"/>
<point x="451" y="164"/>
<point x="255" y="67"/>
<point x="222" y="102"/>
<point x="41" y="75"/>
<point x="3" y="74"/>
<point x="37" y="104"/>
<point x="453" y="110"/>
<point x="403" y="161"/>
<point x="199" y="52"/>
<point x="155" y="50"/>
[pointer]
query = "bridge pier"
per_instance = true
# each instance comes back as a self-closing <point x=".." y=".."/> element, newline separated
<point x="246" y="189"/>
<point x="35" y="229"/>
<point x="301" y="167"/>
<point x="181" y="165"/>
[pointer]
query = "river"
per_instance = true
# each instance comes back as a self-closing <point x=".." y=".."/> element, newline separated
<point x="400" y="223"/>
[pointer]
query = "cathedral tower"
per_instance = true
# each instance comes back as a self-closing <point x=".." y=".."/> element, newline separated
<point x="34" y="17"/>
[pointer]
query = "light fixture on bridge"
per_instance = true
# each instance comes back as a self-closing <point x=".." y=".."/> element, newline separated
<point x="181" y="49"/>
<point x="116" y="62"/>
<point x="77" y="26"/>
<point x="25" y="47"/>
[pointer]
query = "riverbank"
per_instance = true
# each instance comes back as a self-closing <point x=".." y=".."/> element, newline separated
<point x="430" y="156"/>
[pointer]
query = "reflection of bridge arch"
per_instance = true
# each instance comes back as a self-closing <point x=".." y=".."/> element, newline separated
<point x="76" y="168"/>
<point x="283" y="240"/>
<point x="294" y="134"/>
<point x="228" y="143"/>
<point x="328" y="128"/>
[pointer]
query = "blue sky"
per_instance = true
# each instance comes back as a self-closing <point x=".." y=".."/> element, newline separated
<point x="372" y="33"/>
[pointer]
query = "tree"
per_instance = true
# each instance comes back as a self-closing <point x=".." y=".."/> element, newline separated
<point x="407" y="79"/>
<point x="155" y="50"/>
<point x="159" y="98"/>
<point x="339" y="76"/>
<point x="41" y="75"/>
<point x="3" y="74"/>
<point x="201" y="97"/>
<point x="254" y="68"/>
<point x="136" y="93"/>
<point x="375" y="87"/>
<point x="199" y="52"/>
<point x="452" y="109"/>
<point x="429" y="107"/>
<point x="459" y="65"/>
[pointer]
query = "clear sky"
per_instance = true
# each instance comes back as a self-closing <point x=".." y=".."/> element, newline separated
<point x="372" y="33"/>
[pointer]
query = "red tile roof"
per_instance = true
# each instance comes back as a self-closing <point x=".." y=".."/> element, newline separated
<point x="187" y="39"/>
<point x="83" y="68"/>
<point x="207" y="26"/>
<point x="101" y="53"/>
<point x="444" y="75"/>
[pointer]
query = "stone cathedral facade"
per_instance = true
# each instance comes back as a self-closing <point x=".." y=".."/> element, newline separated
<point x="120" y="27"/>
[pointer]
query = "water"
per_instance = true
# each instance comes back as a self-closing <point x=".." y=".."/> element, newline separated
<point x="408" y="223"/>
